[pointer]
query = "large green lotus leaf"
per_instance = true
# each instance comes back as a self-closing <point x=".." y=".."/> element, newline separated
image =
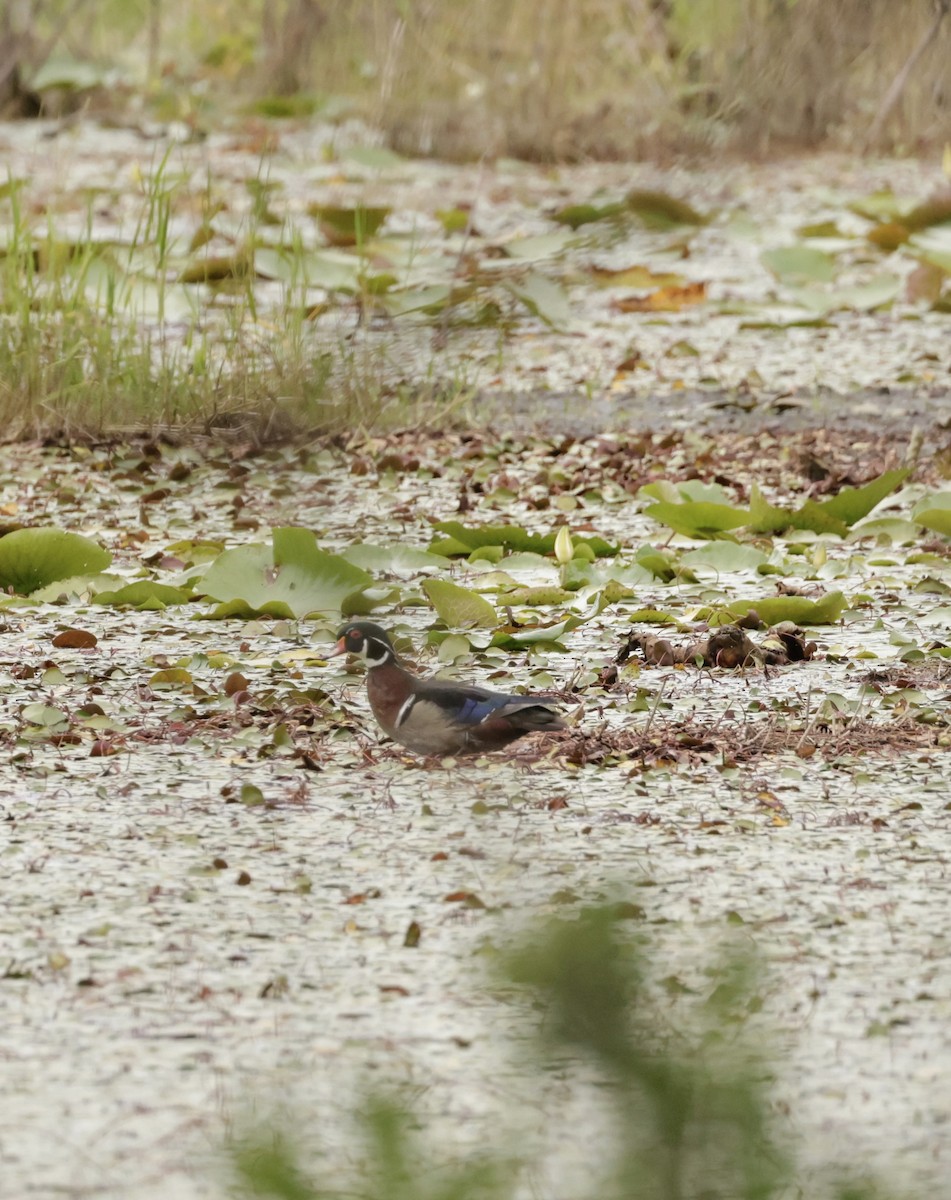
<point x="395" y="558"/>
<point x="852" y="504"/>
<point x="458" y="607"/>
<point x="32" y="558"/>
<point x="292" y="577"/>
<point x="934" y="513"/>
<point x="145" y="595"/>
<point x="698" y="519"/>
<point x="818" y="519"/>
<point x="767" y="518"/>
<point x="897" y="530"/>
<point x="773" y="609"/>
<point x="461" y="539"/>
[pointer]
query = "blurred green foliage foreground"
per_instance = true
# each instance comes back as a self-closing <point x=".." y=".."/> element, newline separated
<point x="685" y="1115"/>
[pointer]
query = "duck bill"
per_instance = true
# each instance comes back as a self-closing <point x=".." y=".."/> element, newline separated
<point x="340" y="648"/>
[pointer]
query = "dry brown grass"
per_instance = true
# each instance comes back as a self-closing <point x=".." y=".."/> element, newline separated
<point x="563" y="80"/>
<point x="554" y="80"/>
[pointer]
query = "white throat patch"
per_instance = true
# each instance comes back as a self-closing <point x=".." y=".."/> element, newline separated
<point x="383" y="653"/>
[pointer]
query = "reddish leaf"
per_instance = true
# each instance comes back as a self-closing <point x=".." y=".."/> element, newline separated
<point x="75" y="639"/>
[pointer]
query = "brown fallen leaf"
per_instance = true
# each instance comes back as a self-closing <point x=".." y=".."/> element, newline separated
<point x="665" y="299"/>
<point x="75" y="639"/>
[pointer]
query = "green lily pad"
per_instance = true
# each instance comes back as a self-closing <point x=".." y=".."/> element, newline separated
<point x="576" y="215"/>
<point x="530" y="635"/>
<point x="851" y="504"/>
<point x="144" y="595"/>
<point x="537" y="597"/>
<point x="578" y="574"/>
<point x="291" y="578"/>
<point x="396" y="558"/>
<point x="348" y="226"/>
<point x="774" y="609"/>
<point x="698" y="519"/>
<point x="458" y="606"/>
<point x="658" y="210"/>
<point x="544" y="297"/>
<point x="725" y="556"/>
<point x="799" y="264"/>
<point x="934" y="512"/>
<point x="32" y="558"/>
<point x="462" y="540"/>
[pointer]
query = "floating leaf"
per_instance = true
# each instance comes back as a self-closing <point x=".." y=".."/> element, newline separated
<point x="214" y="268"/>
<point x="933" y="512"/>
<point x="458" y="606"/>
<point x="397" y="558"/>
<point x="658" y="210"/>
<point x="529" y="635"/>
<point x="544" y="297"/>
<point x="291" y="578"/>
<point x="463" y="539"/>
<point x="799" y="264"/>
<point x="144" y="595"/>
<point x="75" y="639"/>
<point x="171" y="677"/>
<point x="377" y="158"/>
<point x="32" y="558"/>
<point x="698" y="519"/>
<point x="863" y="297"/>
<point x="538" y="597"/>
<point x="576" y="215"/>
<point x="43" y="715"/>
<point x="666" y="299"/>
<point x="767" y="518"/>
<point x="635" y="277"/>
<point x="851" y="504"/>
<point x="538" y="247"/>
<point x="346" y="226"/>
<point x="774" y="609"/>
<point x="431" y="300"/>
<point x="453" y="220"/>
<point x="725" y="556"/>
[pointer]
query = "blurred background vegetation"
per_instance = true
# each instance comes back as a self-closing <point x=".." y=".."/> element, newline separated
<point x="557" y="80"/>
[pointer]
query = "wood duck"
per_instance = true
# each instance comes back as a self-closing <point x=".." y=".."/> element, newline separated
<point x="438" y="716"/>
